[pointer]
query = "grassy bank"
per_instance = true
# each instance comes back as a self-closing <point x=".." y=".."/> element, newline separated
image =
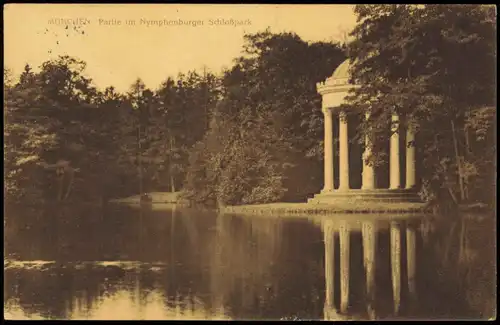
<point x="305" y="208"/>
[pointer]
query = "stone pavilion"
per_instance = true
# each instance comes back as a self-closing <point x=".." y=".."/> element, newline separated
<point x="334" y="91"/>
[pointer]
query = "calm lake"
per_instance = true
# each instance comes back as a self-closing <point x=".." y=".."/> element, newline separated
<point x="124" y="263"/>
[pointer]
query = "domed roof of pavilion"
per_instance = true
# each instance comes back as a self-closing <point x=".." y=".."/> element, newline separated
<point x="337" y="84"/>
<point x="342" y="71"/>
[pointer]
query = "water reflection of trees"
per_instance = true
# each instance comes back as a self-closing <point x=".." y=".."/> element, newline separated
<point x="463" y="249"/>
<point x="69" y="233"/>
<point x="55" y="232"/>
<point x="50" y="292"/>
<point x="78" y="236"/>
<point x="258" y="267"/>
<point x="99" y="292"/>
<point x="242" y="265"/>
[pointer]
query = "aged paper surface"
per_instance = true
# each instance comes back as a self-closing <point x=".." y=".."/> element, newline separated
<point x="283" y="162"/>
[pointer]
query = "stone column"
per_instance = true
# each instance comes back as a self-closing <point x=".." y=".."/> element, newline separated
<point x="395" y="178"/>
<point x="369" y="247"/>
<point x="344" y="267"/>
<point x="368" y="171"/>
<point x="410" y="159"/>
<point x="343" y="153"/>
<point x="329" y="236"/>
<point x="396" y="266"/>
<point x="328" y="148"/>
<point x="411" y="256"/>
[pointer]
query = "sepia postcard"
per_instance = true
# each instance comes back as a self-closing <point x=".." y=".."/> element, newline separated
<point x="249" y="162"/>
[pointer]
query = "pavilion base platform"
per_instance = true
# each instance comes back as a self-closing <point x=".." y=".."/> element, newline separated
<point x="362" y="195"/>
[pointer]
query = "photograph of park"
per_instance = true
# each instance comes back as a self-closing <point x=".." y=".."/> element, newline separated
<point x="250" y="162"/>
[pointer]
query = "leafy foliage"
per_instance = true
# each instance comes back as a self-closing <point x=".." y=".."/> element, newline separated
<point x="434" y="65"/>
<point x="267" y="118"/>
<point x="119" y="143"/>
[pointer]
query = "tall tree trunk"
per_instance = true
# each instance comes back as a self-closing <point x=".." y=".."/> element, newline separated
<point x="71" y="174"/>
<point x="139" y="159"/>
<point x="445" y="172"/>
<point x="60" y="183"/>
<point x="468" y="152"/>
<point x="172" y="180"/>
<point x="459" y="162"/>
<point x="449" y="243"/>
<point x="467" y="141"/>
<point x="205" y="79"/>
<point x="172" y="183"/>
<point x="462" y="252"/>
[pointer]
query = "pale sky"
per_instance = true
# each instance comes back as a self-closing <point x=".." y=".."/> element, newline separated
<point x="117" y="54"/>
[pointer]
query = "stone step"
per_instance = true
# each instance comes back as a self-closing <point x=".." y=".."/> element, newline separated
<point x="366" y="196"/>
<point x="354" y="200"/>
<point x="371" y="191"/>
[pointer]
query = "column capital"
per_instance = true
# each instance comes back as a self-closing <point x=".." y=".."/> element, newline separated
<point x="327" y="110"/>
<point x="397" y="224"/>
<point x="328" y="225"/>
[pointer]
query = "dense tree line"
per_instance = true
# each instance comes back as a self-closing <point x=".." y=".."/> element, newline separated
<point x="235" y="138"/>
<point x="254" y="134"/>
<point x="67" y="140"/>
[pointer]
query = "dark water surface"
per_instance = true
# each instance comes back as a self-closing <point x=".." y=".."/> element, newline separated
<point x="122" y="263"/>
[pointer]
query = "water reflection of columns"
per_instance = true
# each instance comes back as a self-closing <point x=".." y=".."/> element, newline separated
<point x="369" y="232"/>
<point x="396" y="265"/>
<point x="369" y="247"/>
<point x="330" y="228"/>
<point x="329" y="239"/>
<point x="344" y="267"/>
<point x="411" y="256"/>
